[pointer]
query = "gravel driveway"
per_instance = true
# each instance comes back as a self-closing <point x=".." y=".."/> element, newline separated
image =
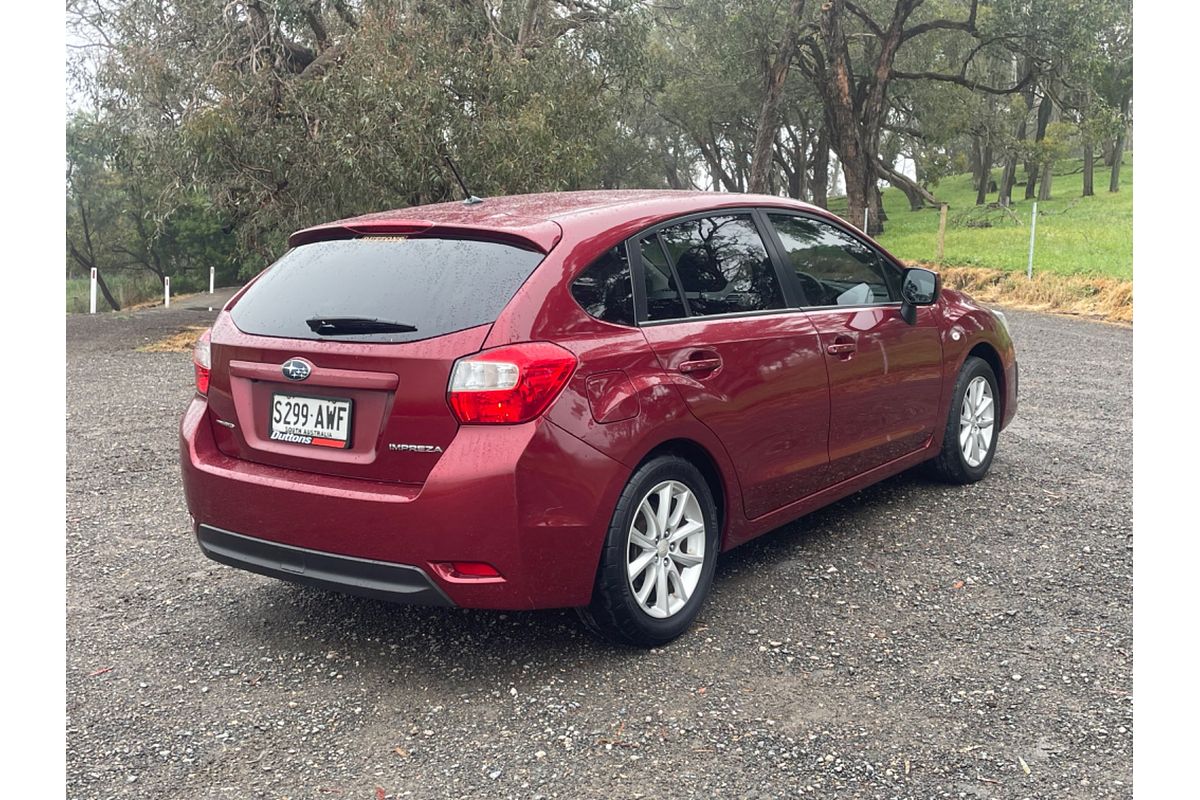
<point x="913" y="641"/>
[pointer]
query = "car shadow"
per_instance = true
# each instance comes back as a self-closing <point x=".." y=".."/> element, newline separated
<point x="831" y="521"/>
<point x="461" y="647"/>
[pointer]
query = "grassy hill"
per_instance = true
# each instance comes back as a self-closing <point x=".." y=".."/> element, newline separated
<point x="1085" y="236"/>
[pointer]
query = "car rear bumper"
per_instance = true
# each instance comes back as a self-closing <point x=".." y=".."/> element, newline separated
<point x="397" y="583"/>
<point x="531" y="500"/>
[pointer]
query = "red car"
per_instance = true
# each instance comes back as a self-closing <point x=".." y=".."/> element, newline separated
<point x="575" y="399"/>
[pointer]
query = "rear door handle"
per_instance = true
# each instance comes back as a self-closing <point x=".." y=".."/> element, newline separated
<point x="700" y="364"/>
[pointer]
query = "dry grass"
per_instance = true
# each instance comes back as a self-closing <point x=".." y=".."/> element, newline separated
<point x="181" y="341"/>
<point x="1109" y="299"/>
<point x="157" y="302"/>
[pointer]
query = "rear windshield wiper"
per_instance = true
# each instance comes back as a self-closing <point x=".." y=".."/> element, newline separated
<point x="346" y="326"/>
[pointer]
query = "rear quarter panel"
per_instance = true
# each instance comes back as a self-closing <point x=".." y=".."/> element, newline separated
<point x="543" y="309"/>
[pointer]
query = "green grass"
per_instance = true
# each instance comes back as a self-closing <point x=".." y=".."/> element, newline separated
<point x="1075" y="235"/>
<point x="127" y="288"/>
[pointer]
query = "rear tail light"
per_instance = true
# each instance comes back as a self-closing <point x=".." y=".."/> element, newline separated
<point x="202" y="361"/>
<point x="509" y="384"/>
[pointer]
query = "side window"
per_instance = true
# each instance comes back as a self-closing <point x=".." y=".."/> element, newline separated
<point x="723" y="265"/>
<point x="663" y="300"/>
<point x="605" y="289"/>
<point x="833" y="267"/>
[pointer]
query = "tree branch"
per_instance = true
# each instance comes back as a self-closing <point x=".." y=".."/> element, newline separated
<point x="944" y="24"/>
<point x="865" y="17"/>
<point x="962" y="80"/>
<point x="345" y="13"/>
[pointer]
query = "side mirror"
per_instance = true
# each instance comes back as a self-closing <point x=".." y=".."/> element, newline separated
<point x="920" y="287"/>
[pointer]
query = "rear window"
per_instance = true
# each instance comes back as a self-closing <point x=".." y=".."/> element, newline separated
<point x="431" y="286"/>
<point x="605" y="289"/>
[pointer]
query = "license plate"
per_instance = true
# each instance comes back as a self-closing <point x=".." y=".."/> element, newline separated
<point x="314" y="421"/>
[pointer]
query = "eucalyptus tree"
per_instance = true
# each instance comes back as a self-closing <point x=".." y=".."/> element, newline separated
<point x="287" y="112"/>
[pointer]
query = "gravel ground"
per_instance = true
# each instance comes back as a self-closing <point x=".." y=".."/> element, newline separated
<point x="913" y="641"/>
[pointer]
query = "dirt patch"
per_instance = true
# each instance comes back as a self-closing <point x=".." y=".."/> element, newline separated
<point x="1109" y="299"/>
<point x="181" y="341"/>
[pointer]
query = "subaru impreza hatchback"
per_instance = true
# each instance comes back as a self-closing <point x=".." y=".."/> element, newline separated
<point x="574" y="399"/>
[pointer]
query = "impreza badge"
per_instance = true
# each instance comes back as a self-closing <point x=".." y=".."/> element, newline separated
<point x="413" y="448"/>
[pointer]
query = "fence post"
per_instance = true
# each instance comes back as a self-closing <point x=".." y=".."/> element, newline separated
<point x="167" y="291"/>
<point x="941" y="242"/>
<point x="1032" y="232"/>
<point x="93" y="304"/>
<point x="212" y="277"/>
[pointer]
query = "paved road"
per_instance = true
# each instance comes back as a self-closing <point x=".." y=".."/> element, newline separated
<point x="836" y="656"/>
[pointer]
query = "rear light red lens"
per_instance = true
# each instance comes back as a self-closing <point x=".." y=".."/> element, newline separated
<point x="202" y="361"/>
<point x="474" y="569"/>
<point x="510" y="384"/>
<point x="458" y="571"/>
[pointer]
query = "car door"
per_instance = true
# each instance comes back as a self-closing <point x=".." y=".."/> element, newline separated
<point x="885" y="375"/>
<point x="714" y="310"/>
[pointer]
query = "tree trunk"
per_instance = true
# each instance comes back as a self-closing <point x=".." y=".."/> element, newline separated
<point x="975" y="162"/>
<point x="1047" y="180"/>
<point x="985" y="173"/>
<point x="858" y="195"/>
<point x="841" y="106"/>
<point x="800" y="166"/>
<point x="855" y="112"/>
<point x="1089" y="167"/>
<point x="1114" y="181"/>
<point x="88" y="263"/>
<point x="1108" y="152"/>
<point x="1009" y="178"/>
<point x="917" y="194"/>
<point x="1043" y="120"/>
<point x="768" y="115"/>
<point x="820" y="169"/>
<point x="108" y="296"/>
<point x="528" y="22"/>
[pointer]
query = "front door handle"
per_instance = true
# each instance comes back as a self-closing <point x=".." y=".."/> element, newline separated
<point x="841" y="348"/>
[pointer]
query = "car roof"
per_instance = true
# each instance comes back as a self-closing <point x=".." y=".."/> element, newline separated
<point x="538" y="219"/>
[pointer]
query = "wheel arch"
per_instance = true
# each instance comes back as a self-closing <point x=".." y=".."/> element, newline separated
<point x="989" y="354"/>
<point x="698" y="455"/>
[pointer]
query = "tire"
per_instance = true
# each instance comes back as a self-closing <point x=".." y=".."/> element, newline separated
<point x="616" y="613"/>
<point x="961" y="459"/>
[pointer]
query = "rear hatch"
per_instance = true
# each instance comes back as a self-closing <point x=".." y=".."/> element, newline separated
<point x="337" y="358"/>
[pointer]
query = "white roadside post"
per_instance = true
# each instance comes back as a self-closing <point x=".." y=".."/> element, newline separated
<point x="1032" y="232"/>
<point x="167" y="292"/>
<point x="212" y="279"/>
<point x="93" y="305"/>
<point x="866" y="219"/>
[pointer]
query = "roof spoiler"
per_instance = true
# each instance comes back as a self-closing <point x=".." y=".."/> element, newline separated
<point x="540" y="235"/>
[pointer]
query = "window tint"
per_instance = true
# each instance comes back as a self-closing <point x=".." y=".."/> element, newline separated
<point x="723" y="266"/>
<point x="436" y="286"/>
<point x="662" y="295"/>
<point x="605" y="289"/>
<point x="834" y="268"/>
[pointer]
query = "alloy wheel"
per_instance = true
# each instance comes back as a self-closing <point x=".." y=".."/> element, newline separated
<point x="665" y="549"/>
<point x="976" y="421"/>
